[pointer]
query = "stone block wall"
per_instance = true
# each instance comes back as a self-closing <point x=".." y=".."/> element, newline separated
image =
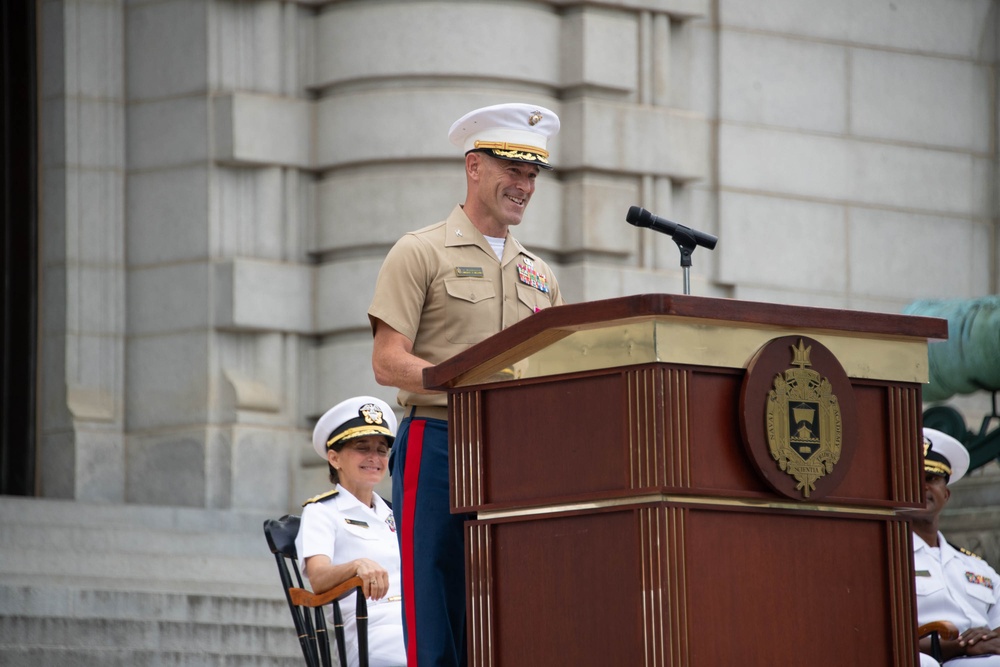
<point x="856" y="144"/>
<point x="222" y="178"/>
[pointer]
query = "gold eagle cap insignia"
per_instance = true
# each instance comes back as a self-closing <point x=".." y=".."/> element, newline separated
<point x="371" y="413"/>
<point x="803" y="422"/>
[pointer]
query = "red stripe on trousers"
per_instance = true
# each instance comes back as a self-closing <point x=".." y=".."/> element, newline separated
<point x="411" y="475"/>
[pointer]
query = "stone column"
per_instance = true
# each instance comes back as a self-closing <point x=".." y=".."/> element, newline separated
<point x="81" y="405"/>
<point x="220" y="281"/>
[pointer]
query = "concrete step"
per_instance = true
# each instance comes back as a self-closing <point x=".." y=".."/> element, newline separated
<point x="129" y="539"/>
<point x="147" y="635"/>
<point x="56" y="512"/>
<point x="59" y="602"/>
<point x="110" y="585"/>
<point x="253" y="575"/>
<point x="74" y="627"/>
<point x="119" y="657"/>
<point x="129" y="547"/>
<point x="261" y="590"/>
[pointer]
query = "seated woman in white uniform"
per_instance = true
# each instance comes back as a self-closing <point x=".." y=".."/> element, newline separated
<point x="350" y="530"/>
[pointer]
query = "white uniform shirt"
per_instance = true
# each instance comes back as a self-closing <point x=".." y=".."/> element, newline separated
<point x="953" y="586"/>
<point x="343" y="528"/>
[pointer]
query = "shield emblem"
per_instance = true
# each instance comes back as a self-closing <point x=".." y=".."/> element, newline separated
<point x="803" y="422"/>
<point x="803" y="429"/>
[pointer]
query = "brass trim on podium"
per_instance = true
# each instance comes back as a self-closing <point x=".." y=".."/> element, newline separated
<point x="466" y="468"/>
<point x="907" y="460"/>
<point x="659" y="441"/>
<point x="479" y="568"/>
<point x="702" y="501"/>
<point x="681" y="340"/>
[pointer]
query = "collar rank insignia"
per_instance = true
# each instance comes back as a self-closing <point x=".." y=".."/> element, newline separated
<point x="527" y="274"/>
<point x="804" y="429"/>
<point x="974" y="578"/>
<point x="321" y="497"/>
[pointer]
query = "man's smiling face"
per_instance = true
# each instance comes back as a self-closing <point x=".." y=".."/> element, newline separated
<point x="504" y="188"/>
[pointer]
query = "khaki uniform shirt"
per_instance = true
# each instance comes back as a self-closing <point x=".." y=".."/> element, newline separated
<point x="444" y="288"/>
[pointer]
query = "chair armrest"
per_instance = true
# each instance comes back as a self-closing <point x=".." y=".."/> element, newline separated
<point x="302" y="597"/>
<point x="945" y="629"/>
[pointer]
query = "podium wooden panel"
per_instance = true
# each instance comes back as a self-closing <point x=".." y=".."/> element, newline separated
<point x="618" y="519"/>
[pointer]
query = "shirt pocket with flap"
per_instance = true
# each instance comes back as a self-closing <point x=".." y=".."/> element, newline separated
<point x="980" y="592"/>
<point x="471" y="309"/>
<point x="926" y="585"/>
<point x="359" y="531"/>
<point x="532" y="300"/>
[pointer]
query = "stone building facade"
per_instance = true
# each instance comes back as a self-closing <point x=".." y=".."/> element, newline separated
<point x="220" y="180"/>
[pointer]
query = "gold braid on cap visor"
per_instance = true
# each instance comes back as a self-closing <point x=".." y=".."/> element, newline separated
<point x="515" y="151"/>
<point x="357" y="432"/>
<point x="937" y="467"/>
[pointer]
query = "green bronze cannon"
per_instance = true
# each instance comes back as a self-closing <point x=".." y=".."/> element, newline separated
<point x="969" y="361"/>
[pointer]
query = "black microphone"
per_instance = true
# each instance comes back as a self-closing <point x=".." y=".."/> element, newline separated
<point x="640" y="217"/>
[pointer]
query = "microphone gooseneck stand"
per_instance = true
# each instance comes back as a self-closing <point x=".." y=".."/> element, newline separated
<point x="687" y="239"/>
<point x="686" y="244"/>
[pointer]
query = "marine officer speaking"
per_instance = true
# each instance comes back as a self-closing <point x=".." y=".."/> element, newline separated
<point x="441" y="290"/>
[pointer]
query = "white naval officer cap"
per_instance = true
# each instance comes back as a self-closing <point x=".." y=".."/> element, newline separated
<point x="353" y="418"/>
<point x="945" y="456"/>
<point x="513" y="131"/>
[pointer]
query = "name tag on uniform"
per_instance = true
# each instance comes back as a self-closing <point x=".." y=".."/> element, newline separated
<point x="922" y="573"/>
<point x="469" y="271"/>
<point x="355" y="522"/>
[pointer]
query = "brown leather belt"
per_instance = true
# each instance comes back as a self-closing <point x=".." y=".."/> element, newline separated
<point x="428" y="412"/>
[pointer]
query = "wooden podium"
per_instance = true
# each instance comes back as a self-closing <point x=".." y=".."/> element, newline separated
<point x="625" y="509"/>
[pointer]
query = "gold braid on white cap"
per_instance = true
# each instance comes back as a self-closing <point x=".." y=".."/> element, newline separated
<point x="519" y="151"/>
<point x="937" y="467"/>
<point x="357" y="432"/>
<point x="933" y="465"/>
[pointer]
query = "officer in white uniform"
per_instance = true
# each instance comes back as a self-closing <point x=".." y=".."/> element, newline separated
<point x="350" y="530"/>
<point x="952" y="584"/>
